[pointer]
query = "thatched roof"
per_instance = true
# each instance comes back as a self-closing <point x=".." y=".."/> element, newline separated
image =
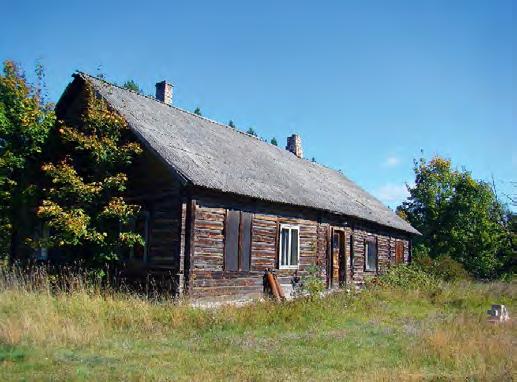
<point x="212" y="155"/>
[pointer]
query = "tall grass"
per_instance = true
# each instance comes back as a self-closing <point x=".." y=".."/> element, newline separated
<point x="51" y="329"/>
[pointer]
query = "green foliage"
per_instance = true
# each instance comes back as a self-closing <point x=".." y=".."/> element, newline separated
<point x="510" y="268"/>
<point x="132" y="85"/>
<point x="408" y="277"/>
<point x="231" y="124"/>
<point x="312" y="281"/>
<point x="197" y="111"/>
<point x="84" y="204"/>
<point x="443" y="267"/>
<point x="251" y="131"/>
<point x="459" y="217"/>
<point x="274" y="141"/>
<point x="25" y="122"/>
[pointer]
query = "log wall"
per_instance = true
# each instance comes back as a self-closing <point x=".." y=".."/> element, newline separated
<point x="152" y="187"/>
<point x="210" y="281"/>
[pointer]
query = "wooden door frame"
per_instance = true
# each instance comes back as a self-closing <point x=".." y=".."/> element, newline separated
<point x="341" y="260"/>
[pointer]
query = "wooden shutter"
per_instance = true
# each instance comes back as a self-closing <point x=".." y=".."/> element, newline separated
<point x="245" y="241"/>
<point x="231" y="245"/>
<point x="399" y="252"/>
<point x="237" y="246"/>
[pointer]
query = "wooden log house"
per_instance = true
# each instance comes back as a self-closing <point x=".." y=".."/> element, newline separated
<point x="219" y="206"/>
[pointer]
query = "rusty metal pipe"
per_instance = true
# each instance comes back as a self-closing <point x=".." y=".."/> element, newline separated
<point x="272" y="285"/>
<point x="279" y="288"/>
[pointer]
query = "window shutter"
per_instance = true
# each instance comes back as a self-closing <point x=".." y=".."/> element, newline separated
<point x="399" y="252"/>
<point x="231" y="247"/>
<point x="245" y="241"/>
<point x="237" y="241"/>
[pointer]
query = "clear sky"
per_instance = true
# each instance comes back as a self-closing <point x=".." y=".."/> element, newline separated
<point x="367" y="84"/>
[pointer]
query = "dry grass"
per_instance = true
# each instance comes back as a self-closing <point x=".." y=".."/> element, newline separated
<point x="83" y="332"/>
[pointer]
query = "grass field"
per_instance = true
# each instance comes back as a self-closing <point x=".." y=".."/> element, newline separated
<point x="379" y="334"/>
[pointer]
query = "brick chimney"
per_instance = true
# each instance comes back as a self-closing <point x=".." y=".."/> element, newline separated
<point x="164" y="92"/>
<point x="294" y="145"/>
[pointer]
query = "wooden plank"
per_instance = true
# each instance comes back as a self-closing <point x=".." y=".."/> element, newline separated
<point x="399" y="252"/>
<point x="245" y="241"/>
<point x="189" y="251"/>
<point x="231" y="248"/>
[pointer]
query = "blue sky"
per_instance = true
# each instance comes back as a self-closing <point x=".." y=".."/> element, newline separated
<point x="367" y="84"/>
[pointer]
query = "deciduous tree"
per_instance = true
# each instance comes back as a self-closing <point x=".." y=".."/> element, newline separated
<point x="458" y="216"/>
<point x="84" y="205"/>
<point x="25" y="121"/>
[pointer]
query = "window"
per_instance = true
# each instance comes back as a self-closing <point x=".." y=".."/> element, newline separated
<point x="289" y="247"/>
<point x="237" y="241"/>
<point x="370" y="254"/>
<point x="399" y="252"/>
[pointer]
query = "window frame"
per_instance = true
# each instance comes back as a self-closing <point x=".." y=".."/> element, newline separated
<point x="291" y="228"/>
<point x="367" y="243"/>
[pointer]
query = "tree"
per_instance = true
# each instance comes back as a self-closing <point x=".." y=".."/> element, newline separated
<point x="197" y="111"/>
<point x="458" y="217"/>
<point x="100" y="72"/>
<point x="251" y="131"/>
<point x="84" y="206"/>
<point x="231" y="124"/>
<point x="274" y="141"/>
<point x="132" y="85"/>
<point x="25" y="121"/>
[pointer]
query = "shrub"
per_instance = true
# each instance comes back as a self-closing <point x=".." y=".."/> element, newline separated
<point x="408" y="277"/>
<point x="449" y="269"/>
<point x="443" y="267"/>
<point x="312" y="283"/>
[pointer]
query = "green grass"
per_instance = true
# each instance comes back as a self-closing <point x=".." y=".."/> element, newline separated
<point x="379" y="334"/>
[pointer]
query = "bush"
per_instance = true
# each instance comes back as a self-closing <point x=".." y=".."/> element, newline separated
<point x="449" y="269"/>
<point x="312" y="283"/>
<point x="408" y="277"/>
<point x="443" y="267"/>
